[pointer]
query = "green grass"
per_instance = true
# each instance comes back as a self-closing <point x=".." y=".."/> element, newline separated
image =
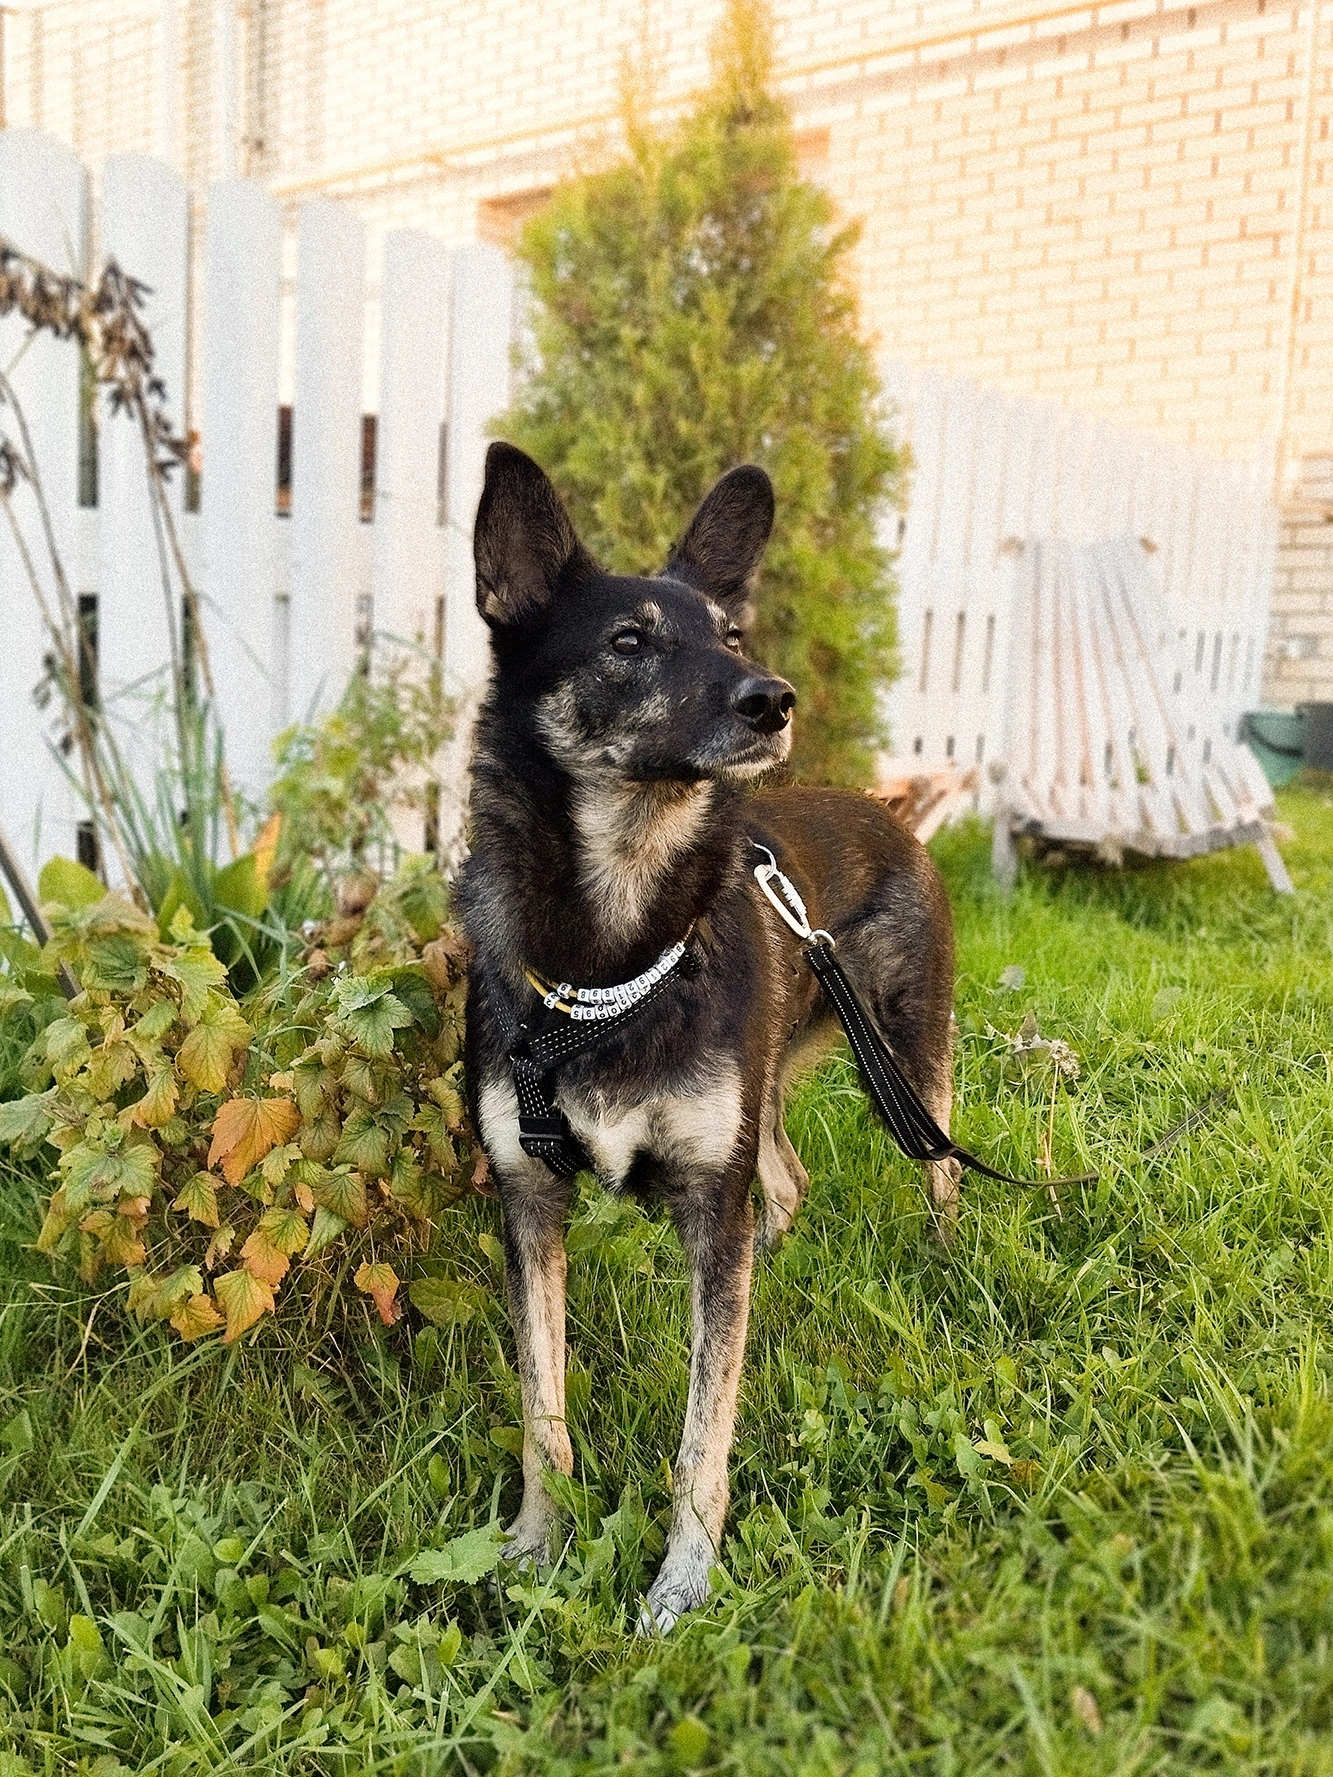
<point x="1060" y="1501"/>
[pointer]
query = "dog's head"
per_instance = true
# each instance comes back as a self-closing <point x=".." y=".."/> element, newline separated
<point x="639" y="679"/>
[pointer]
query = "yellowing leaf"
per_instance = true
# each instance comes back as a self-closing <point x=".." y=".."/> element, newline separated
<point x="67" y="884"/>
<point x="449" y="1100"/>
<point x="996" y="1451"/>
<point x="199" y="1200"/>
<point x="155" y="1023"/>
<point x="59" y="1216"/>
<point x="104" y="1173"/>
<point x="219" y="1246"/>
<point x="66" y="1043"/>
<point x="158" y="1104"/>
<point x="380" y="1281"/>
<point x="196" y="1317"/>
<point x="205" y="1057"/>
<point x="408" y="1186"/>
<point x="154" y="1298"/>
<point x="121" y="1244"/>
<point x="244" y="1298"/>
<point x="108" y="1068"/>
<point x="343" y="1194"/>
<point x="275" y="1165"/>
<point x="365" y="1145"/>
<point x="244" y="1131"/>
<point x="194" y="971"/>
<point x="434" y="1125"/>
<point x="265" y="848"/>
<point x="267" y="1253"/>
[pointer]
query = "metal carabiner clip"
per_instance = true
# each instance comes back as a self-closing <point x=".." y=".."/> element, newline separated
<point x="787" y="903"/>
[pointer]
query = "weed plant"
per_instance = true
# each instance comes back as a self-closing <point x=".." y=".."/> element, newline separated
<point x="1058" y="1501"/>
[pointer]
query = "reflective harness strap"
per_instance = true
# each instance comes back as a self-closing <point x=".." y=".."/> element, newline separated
<point x="534" y="1052"/>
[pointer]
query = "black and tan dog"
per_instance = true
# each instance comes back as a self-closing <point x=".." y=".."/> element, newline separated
<point x="613" y="817"/>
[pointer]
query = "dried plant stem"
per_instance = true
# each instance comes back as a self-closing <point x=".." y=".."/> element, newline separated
<point x="1048" y="1146"/>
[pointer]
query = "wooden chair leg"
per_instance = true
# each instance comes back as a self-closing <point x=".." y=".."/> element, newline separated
<point x="1003" y="851"/>
<point x="1278" y="873"/>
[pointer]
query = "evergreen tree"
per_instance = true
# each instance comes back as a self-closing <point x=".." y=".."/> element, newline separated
<point x="692" y="309"/>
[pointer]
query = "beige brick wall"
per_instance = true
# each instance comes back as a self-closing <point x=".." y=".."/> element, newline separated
<point x="1124" y="208"/>
<point x="1300" y="665"/>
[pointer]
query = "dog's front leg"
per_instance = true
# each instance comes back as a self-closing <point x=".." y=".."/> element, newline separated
<point x="717" y="1231"/>
<point x="534" y="1243"/>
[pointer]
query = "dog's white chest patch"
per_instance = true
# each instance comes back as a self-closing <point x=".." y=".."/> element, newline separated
<point x="699" y="1129"/>
<point x="691" y="1130"/>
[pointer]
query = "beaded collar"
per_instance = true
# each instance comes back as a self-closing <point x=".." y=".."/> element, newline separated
<point x="593" y="1004"/>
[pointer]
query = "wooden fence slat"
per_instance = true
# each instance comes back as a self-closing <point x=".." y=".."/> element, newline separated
<point x="44" y="212"/>
<point x="408" y="549"/>
<point x="242" y="280"/>
<point x="481" y="332"/>
<point x="145" y="229"/>
<point x="990" y="577"/>
<point x="917" y="628"/>
<point x="326" y="589"/>
<point x="408" y="567"/>
<point x="480" y="341"/>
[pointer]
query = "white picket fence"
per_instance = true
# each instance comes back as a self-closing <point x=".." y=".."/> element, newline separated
<point x="281" y="596"/>
<point x="995" y="472"/>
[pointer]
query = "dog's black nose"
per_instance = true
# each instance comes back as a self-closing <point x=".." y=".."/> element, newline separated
<point x="764" y="704"/>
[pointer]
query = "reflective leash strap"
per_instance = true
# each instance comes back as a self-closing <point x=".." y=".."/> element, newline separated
<point x="908" y="1120"/>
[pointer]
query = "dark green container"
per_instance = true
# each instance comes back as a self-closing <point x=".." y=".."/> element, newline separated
<point x="1317" y="734"/>
<point x="1277" y="740"/>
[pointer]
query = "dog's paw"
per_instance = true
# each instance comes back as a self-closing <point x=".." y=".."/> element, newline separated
<point x="771" y="1227"/>
<point x="677" y="1589"/>
<point x="528" y="1544"/>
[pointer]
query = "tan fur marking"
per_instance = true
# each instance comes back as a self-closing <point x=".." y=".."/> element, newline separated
<point x="630" y="834"/>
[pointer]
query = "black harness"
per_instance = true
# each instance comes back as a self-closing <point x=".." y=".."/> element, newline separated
<point x="536" y="1048"/>
<point x="569" y="1023"/>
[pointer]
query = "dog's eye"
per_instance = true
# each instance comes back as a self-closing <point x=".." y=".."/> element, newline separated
<point x="627" y="641"/>
<point x="734" y="639"/>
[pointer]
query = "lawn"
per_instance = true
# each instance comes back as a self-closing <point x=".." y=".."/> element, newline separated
<point x="1058" y="1501"/>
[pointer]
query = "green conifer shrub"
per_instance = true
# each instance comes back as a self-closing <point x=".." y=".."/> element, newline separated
<point x="692" y="309"/>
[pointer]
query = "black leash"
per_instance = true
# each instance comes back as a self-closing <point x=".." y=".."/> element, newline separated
<point x="896" y="1099"/>
<point x="536" y="1048"/>
<point x="904" y="1111"/>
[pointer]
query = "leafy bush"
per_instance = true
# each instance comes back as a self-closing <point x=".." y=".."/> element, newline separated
<point x="207" y="1143"/>
<point x="692" y="309"/>
<point x="338" y="779"/>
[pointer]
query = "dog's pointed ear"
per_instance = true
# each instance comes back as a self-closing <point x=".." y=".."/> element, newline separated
<point x="726" y="537"/>
<point x="523" y="541"/>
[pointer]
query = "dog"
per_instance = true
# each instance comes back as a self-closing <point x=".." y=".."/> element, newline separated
<point x="615" y="818"/>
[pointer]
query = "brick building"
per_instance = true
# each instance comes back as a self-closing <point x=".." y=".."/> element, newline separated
<point x="1123" y="207"/>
